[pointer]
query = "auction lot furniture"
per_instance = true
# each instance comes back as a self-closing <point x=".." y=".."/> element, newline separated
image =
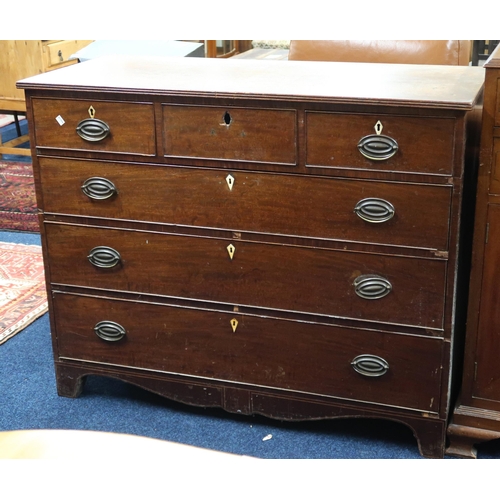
<point x="24" y="58"/>
<point x="267" y="237"/>
<point x="477" y="414"/>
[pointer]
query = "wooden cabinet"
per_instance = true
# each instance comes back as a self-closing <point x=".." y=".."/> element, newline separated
<point x="226" y="48"/>
<point x="476" y="417"/>
<point x="24" y="58"/>
<point x="266" y="237"/>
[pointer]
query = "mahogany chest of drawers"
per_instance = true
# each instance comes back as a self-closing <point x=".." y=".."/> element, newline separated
<point x="279" y="238"/>
<point x="476" y="417"/>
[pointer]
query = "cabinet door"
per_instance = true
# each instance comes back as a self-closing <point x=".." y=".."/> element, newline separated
<point x="487" y="384"/>
<point x="495" y="168"/>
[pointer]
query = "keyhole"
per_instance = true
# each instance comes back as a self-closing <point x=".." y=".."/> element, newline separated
<point x="227" y="118"/>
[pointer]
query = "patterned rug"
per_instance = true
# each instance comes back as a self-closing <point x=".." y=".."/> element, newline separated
<point x="18" y="210"/>
<point x="23" y="297"/>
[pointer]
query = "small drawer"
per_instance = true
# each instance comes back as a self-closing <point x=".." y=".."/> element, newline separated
<point x="390" y="289"/>
<point x="386" y="143"/>
<point x="230" y="133"/>
<point x="308" y="206"/>
<point x="57" y="53"/>
<point x="85" y="125"/>
<point x="373" y="367"/>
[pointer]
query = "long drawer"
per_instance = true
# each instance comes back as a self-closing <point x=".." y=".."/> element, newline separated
<point x="376" y="367"/>
<point x="349" y="210"/>
<point x="85" y="125"/>
<point x="398" y="290"/>
<point x="387" y="143"/>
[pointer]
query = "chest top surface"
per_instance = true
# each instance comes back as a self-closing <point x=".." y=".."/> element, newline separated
<point x="454" y="87"/>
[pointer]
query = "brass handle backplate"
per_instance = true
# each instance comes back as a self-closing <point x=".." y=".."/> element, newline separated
<point x="370" y="365"/>
<point x="104" y="257"/>
<point x="378" y="147"/>
<point x="374" y="210"/>
<point x="109" y="331"/>
<point x="99" y="188"/>
<point x="371" y="286"/>
<point x="93" y="130"/>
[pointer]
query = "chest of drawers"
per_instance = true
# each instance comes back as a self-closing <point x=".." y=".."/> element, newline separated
<point x="280" y="238"/>
<point x="476" y="416"/>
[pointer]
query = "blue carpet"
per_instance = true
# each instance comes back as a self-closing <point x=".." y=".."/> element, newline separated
<point x="28" y="400"/>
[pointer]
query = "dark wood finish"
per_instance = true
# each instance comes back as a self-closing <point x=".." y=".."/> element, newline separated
<point x="203" y="344"/>
<point x="275" y="325"/>
<point x="476" y="417"/>
<point x="332" y="140"/>
<point x="260" y="202"/>
<point x="230" y="133"/>
<point x="123" y="119"/>
<point x="290" y="278"/>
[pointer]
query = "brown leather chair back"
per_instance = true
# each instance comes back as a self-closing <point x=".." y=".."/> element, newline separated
<point x="448" y="52"/>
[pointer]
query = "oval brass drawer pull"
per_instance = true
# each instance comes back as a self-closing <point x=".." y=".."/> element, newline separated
<point x="374" y="210"/>
<point x="109" y="331"/>
<point x="371" y="286"/>
<point x="377" y="147"/>
<point x="370" y="365"/>
<point x="99" y="188"/>
<point x="92" y="130"/>
<point x="104" y="257"/>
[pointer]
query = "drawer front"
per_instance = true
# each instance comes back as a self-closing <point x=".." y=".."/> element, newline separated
<point x="338" y="283"/>
<point x="278" y="204"/>
<point x="282" y="354"/>
<point x="59" y="52"/>
<point x="230" y="133"/>
<point x="86" y="125"/>
<point x="411" y="144"/>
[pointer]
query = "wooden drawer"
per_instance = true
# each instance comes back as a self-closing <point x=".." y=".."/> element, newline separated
<point x="120" y="127"/>
<point x="58" y="52"/>
<point x="333" y="140"/>
<point x="310" y="358"/>
<point x="277" y="204"/>
<point x="406" y="290"/>
<point x="230" y="133"/>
